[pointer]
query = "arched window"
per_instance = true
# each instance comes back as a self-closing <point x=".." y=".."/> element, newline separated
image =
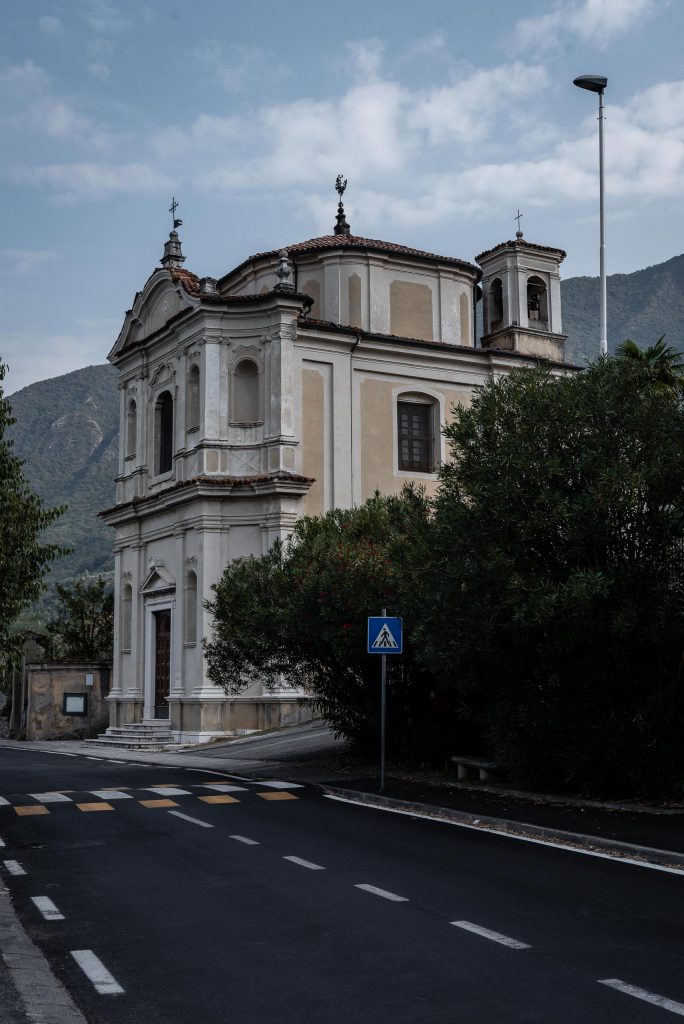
<point x="495" y="305"/>
<point x="126" y="616"/>
<point x="163" y="433"/>
<point x="191" y="608"/>
<point x="246" y="392"/>
<point x="417" y="420"/>
<point x="131" y="429"/>
<point x="192" y="399"/>
<point x="537" y="303"/>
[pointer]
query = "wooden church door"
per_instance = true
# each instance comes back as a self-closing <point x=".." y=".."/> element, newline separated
<point x="162" y="662"/>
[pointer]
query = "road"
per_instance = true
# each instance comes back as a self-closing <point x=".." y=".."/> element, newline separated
<point x="207" y="897"/>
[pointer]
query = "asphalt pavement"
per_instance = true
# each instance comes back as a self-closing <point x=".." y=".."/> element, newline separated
<point x="181" y="892"/>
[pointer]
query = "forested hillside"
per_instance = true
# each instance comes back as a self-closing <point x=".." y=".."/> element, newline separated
<point x="67" y="433"/>
<point x="641" y="306"/>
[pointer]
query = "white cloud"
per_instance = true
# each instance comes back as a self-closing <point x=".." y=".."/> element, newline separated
<point x="38" y="355"/>
<point x="428" y="46"/>
<point x="366" y="57"/>
<point x="596" y="22"/>
<point x="207" y="133"/>
<point x="51" y="26"/>
<point x="26" y="76"/>
<point x="26" y="261"/>
<point x="239" y="66"/>
<point x="104" y="17"/>
<point x="99" y="70"/>
<point x="70" y="183"/>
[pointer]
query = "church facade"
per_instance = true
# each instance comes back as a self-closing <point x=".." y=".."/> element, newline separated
<point x="303" y="379"/>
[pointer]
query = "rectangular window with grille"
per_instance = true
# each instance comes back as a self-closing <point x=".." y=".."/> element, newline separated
<point x="416" y="436"/>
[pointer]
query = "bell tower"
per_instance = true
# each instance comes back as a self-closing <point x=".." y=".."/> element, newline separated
<point x="522" y="298"/>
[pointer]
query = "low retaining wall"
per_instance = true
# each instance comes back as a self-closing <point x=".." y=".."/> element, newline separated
<point x="66" y="700"/>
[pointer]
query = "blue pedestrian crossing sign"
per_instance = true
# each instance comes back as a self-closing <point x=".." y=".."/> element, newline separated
<point x="385" y="635"/>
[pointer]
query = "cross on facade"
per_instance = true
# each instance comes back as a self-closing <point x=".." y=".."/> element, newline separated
<point x="517" y="217"/>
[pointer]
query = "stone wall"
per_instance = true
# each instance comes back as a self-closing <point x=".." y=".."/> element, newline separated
<point x="47" y="685"/>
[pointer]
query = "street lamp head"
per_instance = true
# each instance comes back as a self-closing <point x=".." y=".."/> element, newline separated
<point x="594" y="83"/>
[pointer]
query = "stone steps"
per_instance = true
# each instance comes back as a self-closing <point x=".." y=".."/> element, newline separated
<point x="142" y="736"/>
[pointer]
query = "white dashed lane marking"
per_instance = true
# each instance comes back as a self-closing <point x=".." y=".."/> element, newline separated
<point x="195" y="821"/>
<point x="14" y="867"/>
<point x="485" y="933"/>
<point x="245" y="840"/>
<point x="95" y="971"/>
<point x="47" y="908"/>
<point x="381" y="892"/>
<point x="2" y="842"/>
<point x="647" y="997"/>
<point x="305" y="863"/>
<point x="112" y="760"/>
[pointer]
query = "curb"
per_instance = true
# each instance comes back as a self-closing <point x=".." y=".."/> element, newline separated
<point x="522" y="829"/>
<point x="45" y="1000"/>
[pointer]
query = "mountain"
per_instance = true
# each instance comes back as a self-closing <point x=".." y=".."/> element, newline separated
<point x="67" y="427"/>
<point x="67" y="431"/>
<point x="641" y="306"/>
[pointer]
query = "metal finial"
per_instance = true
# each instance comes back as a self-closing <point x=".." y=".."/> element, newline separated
<point x="341" y="226"/>
<point x="172" y="210"/>
<point x="517" y="217"/>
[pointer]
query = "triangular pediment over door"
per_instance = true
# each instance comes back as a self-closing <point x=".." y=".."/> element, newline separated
<point x="158" y="581"/>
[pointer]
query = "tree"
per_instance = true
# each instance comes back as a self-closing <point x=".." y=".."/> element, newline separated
<point x="24" y="560"/>
<point x="301" y="611"/>
<point x="556" y="561"/>
<point x="83" y="627"/>
<point x="662" y="363"/>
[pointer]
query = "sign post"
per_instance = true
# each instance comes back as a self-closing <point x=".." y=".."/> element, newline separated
<point x="385" y="636"/>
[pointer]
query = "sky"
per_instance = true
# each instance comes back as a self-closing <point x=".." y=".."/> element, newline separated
<point x="446" y="117"/>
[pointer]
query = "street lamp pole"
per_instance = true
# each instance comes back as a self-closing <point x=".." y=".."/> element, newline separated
<point x="597" y="83"/>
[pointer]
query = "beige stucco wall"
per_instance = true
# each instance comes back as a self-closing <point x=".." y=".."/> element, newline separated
<point x="47" y="684"/>
<point x="313" y="439"/>
<point x="411" y="310"/>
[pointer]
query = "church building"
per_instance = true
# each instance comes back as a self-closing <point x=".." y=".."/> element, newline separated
<point x="304" y="379"/>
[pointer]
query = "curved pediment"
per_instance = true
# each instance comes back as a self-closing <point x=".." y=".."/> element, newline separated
<point x="161" y="299"/>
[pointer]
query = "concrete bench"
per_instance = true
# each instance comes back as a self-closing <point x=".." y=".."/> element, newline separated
<point x="475" y="767"/>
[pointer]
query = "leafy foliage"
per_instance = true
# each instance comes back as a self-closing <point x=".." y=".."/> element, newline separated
<point x="66" y="430"/>
<point x="301" y="611"/>
<point x="24" y="557"/>
<point x="559" y="575"/>
<point x="83" y="628"/>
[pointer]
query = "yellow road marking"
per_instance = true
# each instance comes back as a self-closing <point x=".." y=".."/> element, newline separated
<point x="158" y="803"/>
<point x="223" y="799"/>
<point x="278" y="794"/>
<point x="31" y="809"/>
<point x="101" y="805"/>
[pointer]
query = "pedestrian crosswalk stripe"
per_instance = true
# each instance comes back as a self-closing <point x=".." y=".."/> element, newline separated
<point x="220" y="788"/>
<point x="278" y="795"/>
<point x="31" y="809"/>
<point x="158" y="803"/>
<point x="221" y="798"/>
<point x="100" y="806"/>
<point x="111" y="794"/>
<point x="52" y="798"/>
<point x="167" y="790"/>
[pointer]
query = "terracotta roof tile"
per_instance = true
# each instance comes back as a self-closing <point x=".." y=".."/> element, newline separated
<point x="190" y="281"/>
<point x="326" y="242"/>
